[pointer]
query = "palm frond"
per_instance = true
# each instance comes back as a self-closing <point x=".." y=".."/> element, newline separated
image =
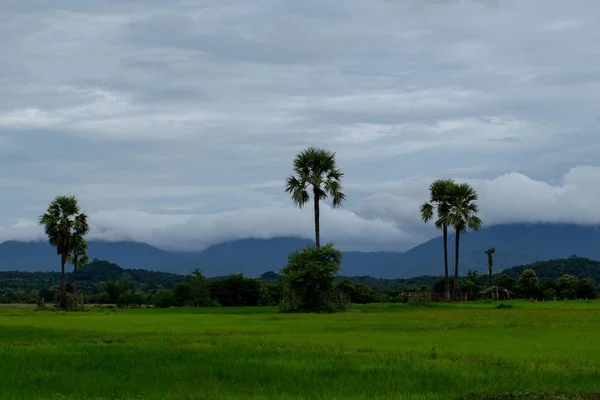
<point x="426" y="212"/>
<point x="464" y="210"/>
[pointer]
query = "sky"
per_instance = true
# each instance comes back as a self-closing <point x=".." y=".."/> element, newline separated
<point x="176" y="123"/>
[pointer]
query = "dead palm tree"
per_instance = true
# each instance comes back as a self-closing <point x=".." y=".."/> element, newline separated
<point x="439" y="206"/>
<point x="64" y="225"/>
<point x="463" y="217"/>
<point x="316" y="174"/>
<point x="489" y="253"/>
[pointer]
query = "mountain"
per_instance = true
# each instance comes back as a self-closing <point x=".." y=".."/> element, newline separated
<point x="516" y="244"/>
<point x="249" y="256"/>
<point x="40" y="256"/>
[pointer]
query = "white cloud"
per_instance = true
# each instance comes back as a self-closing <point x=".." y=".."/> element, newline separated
<point x="388" y="220"/>
<point x="509" y="198"/>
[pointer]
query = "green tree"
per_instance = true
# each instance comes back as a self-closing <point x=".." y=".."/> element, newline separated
<point x="315" y="171"/>
<point x="116" y="290"/>
<point x="463" y="217"/>
<point x="236" y="290"/>
<point x="78" y="258"/>
<point x="197" y="293"/>
<point x="468" y="287"/>
<point x="490" y="253"/>
<point x="438" y="206"/>
<point x="567" y="286"/>
<point x="586" y="289"/>
<point x="64" y="225"/>
<point x="164" y="298"/>
<point x="309" y="279"/>
<point x="528" y="283"/>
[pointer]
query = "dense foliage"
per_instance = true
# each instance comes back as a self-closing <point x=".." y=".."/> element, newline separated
<point x="552" y="269"/>
<point x="309" y="280"/>
<point x="99" y="280"/>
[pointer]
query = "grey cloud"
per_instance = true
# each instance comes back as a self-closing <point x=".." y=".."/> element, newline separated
<point x="194" y="111"/>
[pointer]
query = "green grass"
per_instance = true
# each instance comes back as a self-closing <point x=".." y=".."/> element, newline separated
<point x="445" y="351"/>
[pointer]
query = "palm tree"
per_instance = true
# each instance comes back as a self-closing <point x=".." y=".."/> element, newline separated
<point x="78" y="258"/>
<point x="489" y="253"/>
<point x="315" y="171"/>
<point x="64" y="225"/>
<point x="439" y="205"/>
<point x="463" y="217"/>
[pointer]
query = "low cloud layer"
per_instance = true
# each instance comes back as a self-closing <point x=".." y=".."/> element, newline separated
<point x="386" y="220"/>
<point x="177" y="124"/>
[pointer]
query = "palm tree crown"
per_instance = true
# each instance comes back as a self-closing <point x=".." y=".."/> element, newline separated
<point x="463" y="212"/>
<point x="440" y="193"/>
<point x="316" y="171"/>
<point x="64" y="223"/>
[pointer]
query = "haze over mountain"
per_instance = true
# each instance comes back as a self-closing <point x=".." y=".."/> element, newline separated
<point x="515" y="244"/>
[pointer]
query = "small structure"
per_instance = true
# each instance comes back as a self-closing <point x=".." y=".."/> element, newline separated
<point x="494" y="292"/>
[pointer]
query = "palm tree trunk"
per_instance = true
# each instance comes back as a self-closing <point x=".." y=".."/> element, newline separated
<point x="490" y="275"/>
<point x="75" y="284"/>
<point x="63" y="286"/>
<point x="317" y="227"/>
<point x="446" y="279"/>
<point x="456" y="248"/>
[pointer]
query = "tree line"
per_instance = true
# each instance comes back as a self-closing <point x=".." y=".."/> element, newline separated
<point x="102" y="282"/>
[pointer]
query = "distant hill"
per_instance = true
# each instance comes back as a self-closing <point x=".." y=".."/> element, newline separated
<point x="552" y="269"/>
<point x="516" y="244"/>
<point x="91" y="275"/>
<point x="98" y="271"/>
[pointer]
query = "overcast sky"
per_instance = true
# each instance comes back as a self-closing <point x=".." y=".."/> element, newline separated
<point x="176" y="122"/>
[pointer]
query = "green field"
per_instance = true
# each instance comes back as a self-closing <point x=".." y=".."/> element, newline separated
<point x="373" y="351"/>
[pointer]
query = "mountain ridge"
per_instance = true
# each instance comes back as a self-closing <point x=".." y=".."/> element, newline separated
<point x="516" y="244"/>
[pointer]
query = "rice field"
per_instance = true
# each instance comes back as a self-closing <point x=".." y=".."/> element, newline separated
<point x="444" y="351"/>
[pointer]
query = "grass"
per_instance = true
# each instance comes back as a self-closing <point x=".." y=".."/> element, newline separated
<point x="445" y="351"/>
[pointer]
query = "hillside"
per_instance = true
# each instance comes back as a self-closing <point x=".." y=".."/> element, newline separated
<point x="99" y="271"/>
<point x="552" y="269"/>
<point x="516" y="244"/>
<point x="95" y="272"/>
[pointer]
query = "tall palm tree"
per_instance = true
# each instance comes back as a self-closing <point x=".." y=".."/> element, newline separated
<point x="316" y="173"/>
<point x="78" y="258"/>
<point x="64" y="225"/>
<point x="489" y="253"/>
<point x="439" y="206"/>
<point x="463" y="217"/>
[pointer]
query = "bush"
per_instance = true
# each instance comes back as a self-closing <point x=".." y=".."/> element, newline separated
<point x="164" y="298"/>
<point x="309" y="281"/>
